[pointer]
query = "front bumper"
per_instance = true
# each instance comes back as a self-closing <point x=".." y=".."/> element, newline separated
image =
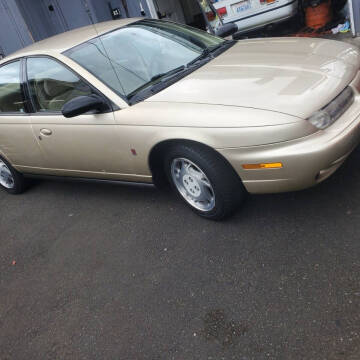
<point x="306" y="161"/>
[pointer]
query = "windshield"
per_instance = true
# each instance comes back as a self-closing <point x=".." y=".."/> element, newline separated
<point x="130" y="57"/>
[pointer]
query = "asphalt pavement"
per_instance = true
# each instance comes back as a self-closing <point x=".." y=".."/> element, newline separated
<point x="98" y="271"/>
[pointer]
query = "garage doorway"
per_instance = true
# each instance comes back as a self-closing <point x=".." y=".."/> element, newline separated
<point x="182" y="11"/>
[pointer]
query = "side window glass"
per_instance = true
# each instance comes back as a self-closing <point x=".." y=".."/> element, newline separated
<point x="52" y="85"/>
<point x="11" y="98"/>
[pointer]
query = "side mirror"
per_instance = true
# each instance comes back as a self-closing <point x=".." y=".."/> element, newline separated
<point x="83" y="104"/>
<point x="226" y="30"/>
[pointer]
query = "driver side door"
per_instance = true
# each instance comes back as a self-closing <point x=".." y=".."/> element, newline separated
<point x="88" y="145"/>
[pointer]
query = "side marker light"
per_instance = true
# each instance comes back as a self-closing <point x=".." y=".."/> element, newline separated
<point x="277" y="165"/>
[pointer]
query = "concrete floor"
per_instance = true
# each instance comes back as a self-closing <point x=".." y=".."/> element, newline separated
<point x="92" y="271"/>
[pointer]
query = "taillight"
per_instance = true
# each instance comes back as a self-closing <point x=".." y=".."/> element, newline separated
<point x="264" y="2"/>
<point x="222" y="11"/>
<point x="210" y="15"/>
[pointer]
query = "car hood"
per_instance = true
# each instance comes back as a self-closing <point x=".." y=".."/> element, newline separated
<point x="295" y="76"/>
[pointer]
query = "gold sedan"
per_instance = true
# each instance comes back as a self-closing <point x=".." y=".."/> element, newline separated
<point x="154" y="101"/>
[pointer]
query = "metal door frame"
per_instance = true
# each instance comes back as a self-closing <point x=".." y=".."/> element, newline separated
<point x="354" y="10"/>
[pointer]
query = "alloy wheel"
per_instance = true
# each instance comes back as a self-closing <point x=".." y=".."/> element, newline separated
<point x="6" y="177"/>
<point x="193" y="184"/>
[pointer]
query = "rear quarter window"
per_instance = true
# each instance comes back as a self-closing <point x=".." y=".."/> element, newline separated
<point x="11" y="98"/>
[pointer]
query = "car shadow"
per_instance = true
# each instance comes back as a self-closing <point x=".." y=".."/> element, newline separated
<point x="339" y="192"/>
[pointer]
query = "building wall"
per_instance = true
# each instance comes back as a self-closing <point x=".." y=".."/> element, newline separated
<point x="14" y="33"/>
<point x="25" y="21"/>
<point x="42" y="22"/>
<point x="135" y="8"/>
<point x="101" y="8"/>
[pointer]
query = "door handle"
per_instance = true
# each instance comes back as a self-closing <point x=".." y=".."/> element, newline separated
<point x="45" y="132"/>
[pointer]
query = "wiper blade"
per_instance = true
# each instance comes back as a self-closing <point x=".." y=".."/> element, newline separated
<point x="217" y="47"/>
<point x="168" y="73"/>
<point x="153" y="82"/>
<point x="224" y="44"/>
<point x="204" y="55"/>
<point x="207" y="52"/>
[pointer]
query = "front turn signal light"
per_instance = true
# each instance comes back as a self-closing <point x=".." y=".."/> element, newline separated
<point x="277" y="165"/>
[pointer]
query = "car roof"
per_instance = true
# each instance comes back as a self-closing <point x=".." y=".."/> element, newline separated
<point x="62" y="42"/>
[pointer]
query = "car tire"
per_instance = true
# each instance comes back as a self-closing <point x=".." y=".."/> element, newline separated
<point x="204" y="180"/>
<point x="11" y="180"/>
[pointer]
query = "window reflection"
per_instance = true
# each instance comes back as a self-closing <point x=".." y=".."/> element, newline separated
<point x="11" y="99"/>
<point x="130" y="57"/>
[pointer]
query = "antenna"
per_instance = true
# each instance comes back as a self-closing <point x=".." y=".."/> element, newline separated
<point x="87" y="8"/>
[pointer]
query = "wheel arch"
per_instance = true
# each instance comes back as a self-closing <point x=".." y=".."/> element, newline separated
<point x="156" y="158"/>
<point x="2" y="154"/>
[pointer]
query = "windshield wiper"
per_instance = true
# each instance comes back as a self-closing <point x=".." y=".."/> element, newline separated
<point x="152" y="86"/>
<point x="152" y="83"/>
<point x="207" y="52"/>
<point x="216" y="47"/>
<point x="168" y="73"/>
<point x="204" y="55"/>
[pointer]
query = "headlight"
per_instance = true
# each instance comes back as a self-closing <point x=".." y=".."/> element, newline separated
<point x="330" y="113"/>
